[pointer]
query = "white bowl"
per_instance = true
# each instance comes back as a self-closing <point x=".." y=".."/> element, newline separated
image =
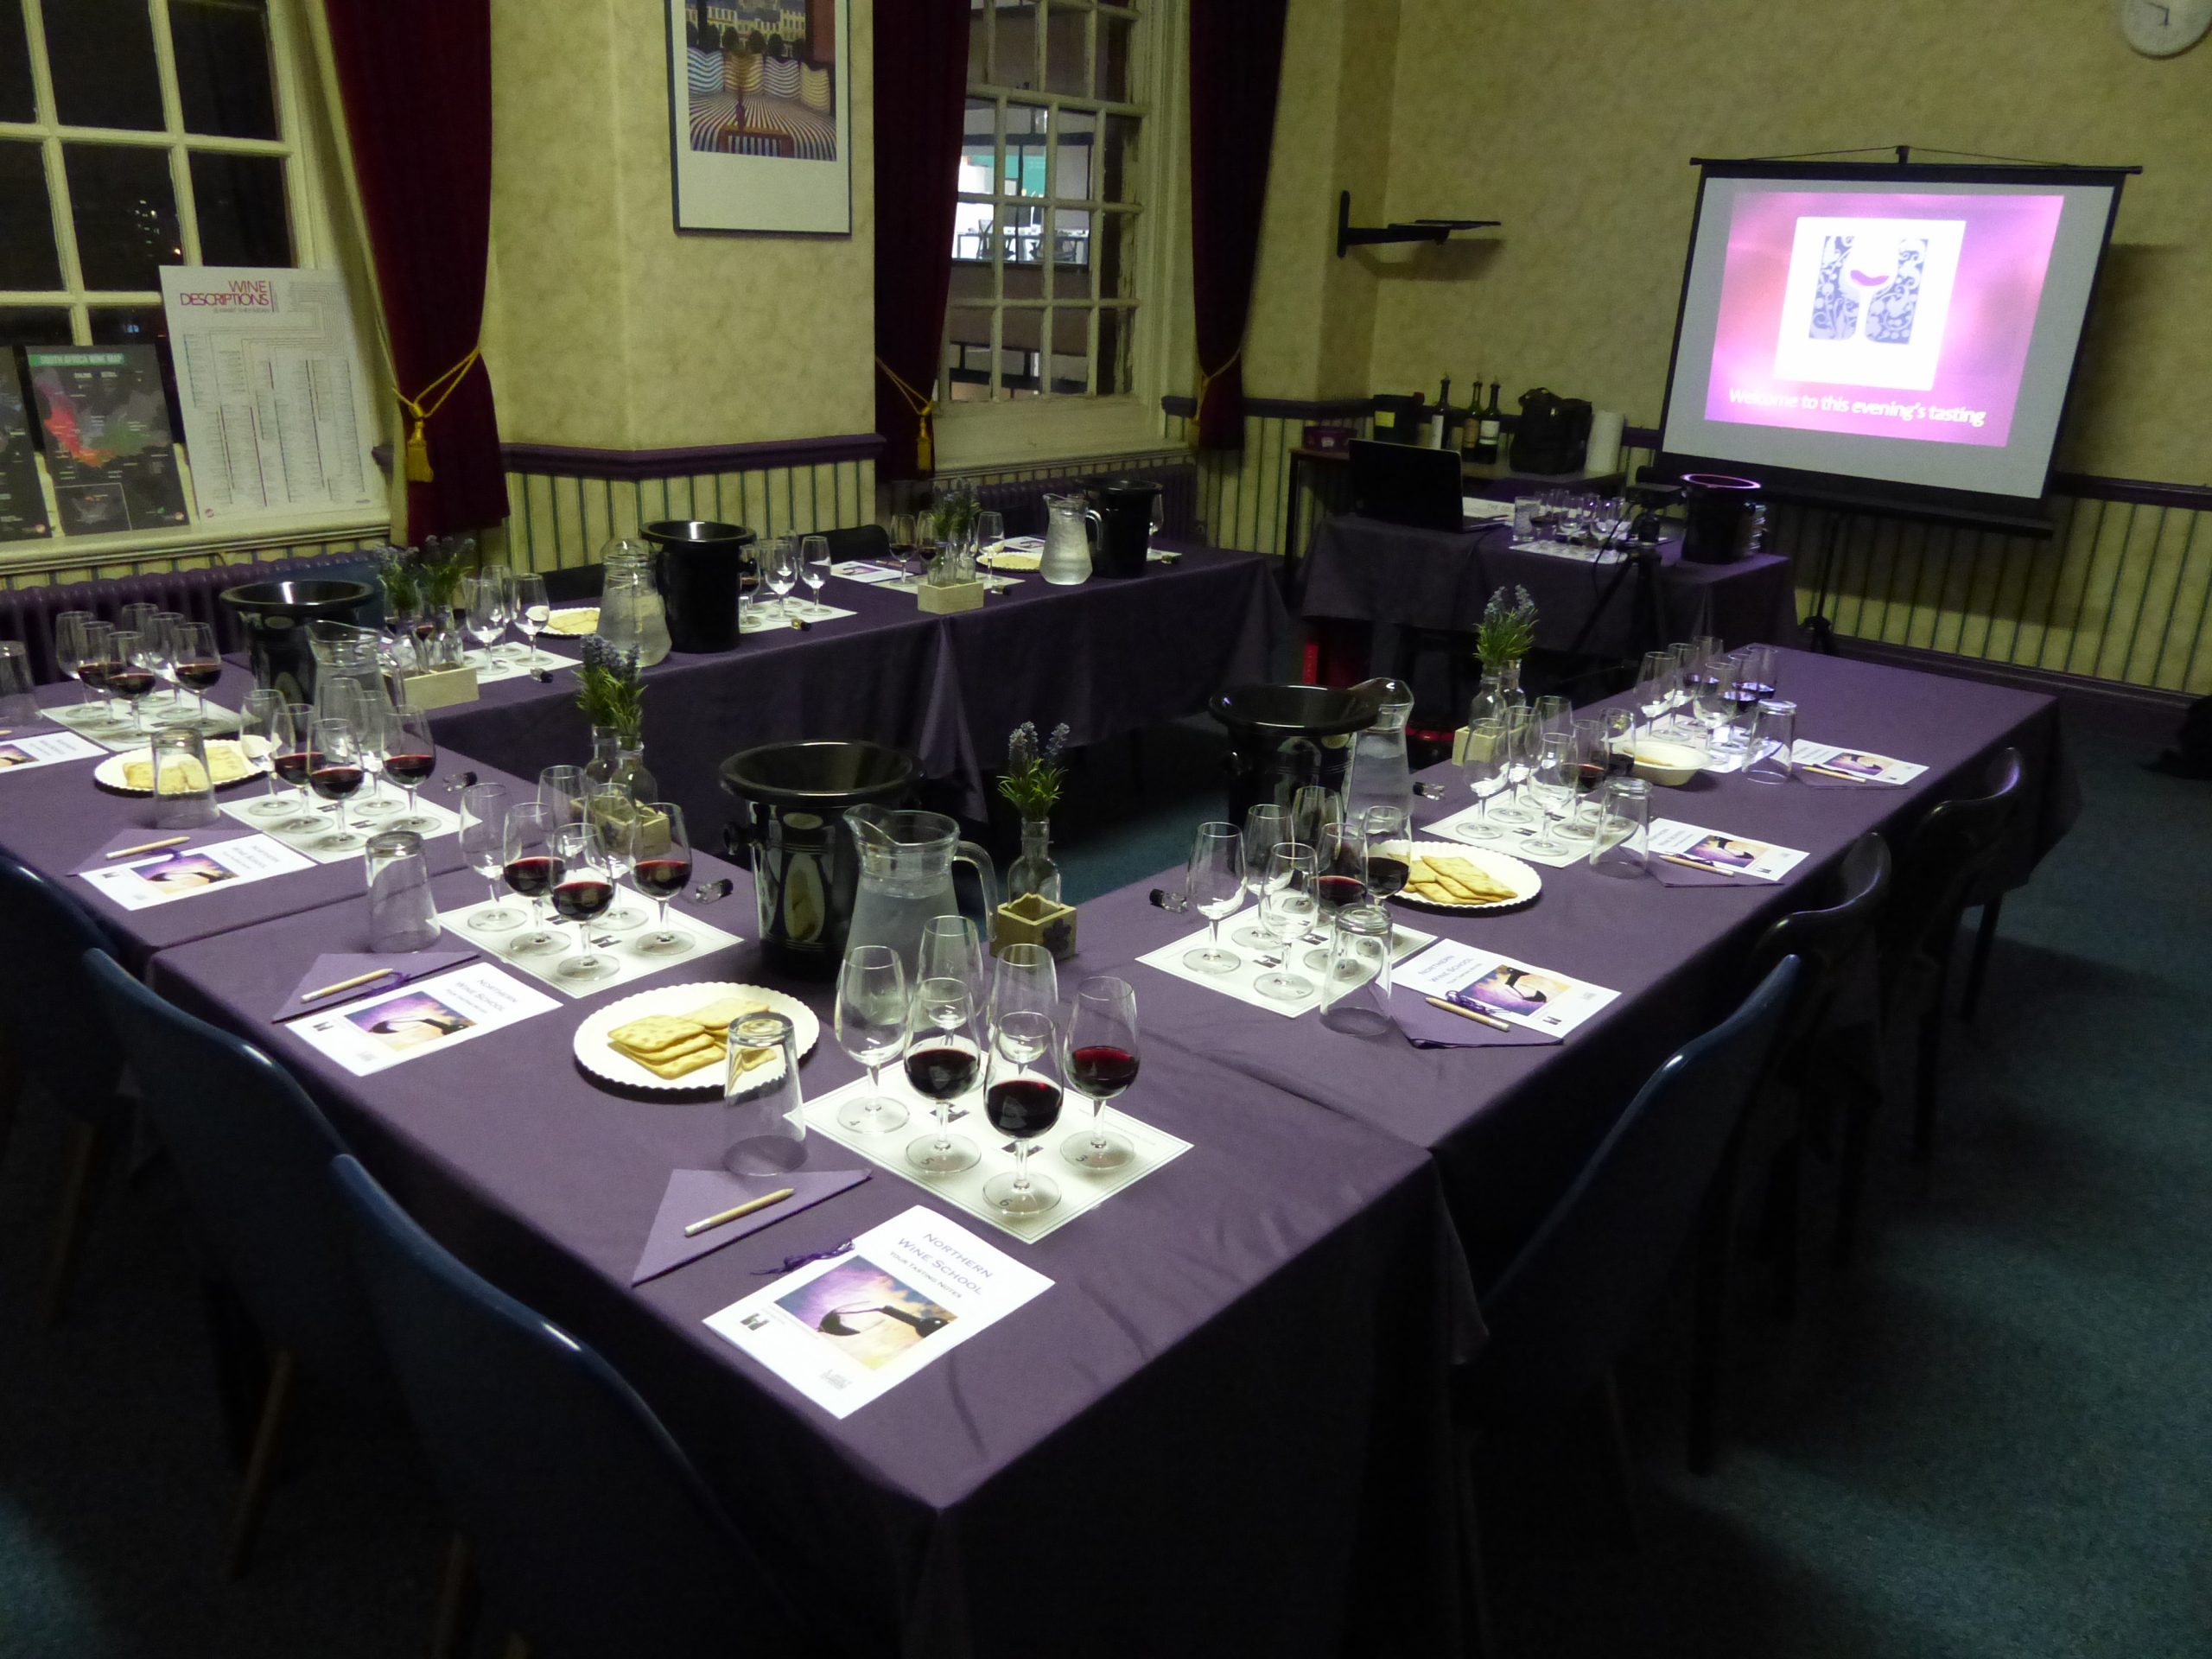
<point x="1662" y="762"/>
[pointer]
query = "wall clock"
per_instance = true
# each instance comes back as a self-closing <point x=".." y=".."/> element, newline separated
<point x="2161" y="28"/>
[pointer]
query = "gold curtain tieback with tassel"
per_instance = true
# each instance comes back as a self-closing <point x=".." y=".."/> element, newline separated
<point x="420" y="407"/>
<point x="923" y="408"/>
<point x="1206" y="377"/>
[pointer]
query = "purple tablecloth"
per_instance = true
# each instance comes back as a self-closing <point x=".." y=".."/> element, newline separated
<point x="1509" y="1126"/>
<point x="1362" y="569"/>
<point x="1236" y="1383"/>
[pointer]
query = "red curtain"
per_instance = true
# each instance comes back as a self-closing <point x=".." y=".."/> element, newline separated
<point x="416" y="76"/>
<point x="1235" y="65"/>
<point x="921" y="90"/>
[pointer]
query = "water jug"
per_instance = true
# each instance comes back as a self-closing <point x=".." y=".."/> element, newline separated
<point x="1066" y="558"/>
<point x="632" y="615"/>
<point x="906" y="860"/>
<point x="347" y="656"/>
<point x="1379" y="774"/>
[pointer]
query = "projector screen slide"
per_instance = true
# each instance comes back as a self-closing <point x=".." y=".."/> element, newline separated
<point x="1891" y="329"/>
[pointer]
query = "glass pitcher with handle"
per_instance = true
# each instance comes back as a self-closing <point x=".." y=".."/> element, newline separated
<point x="1066" y="559"/>
<point x="907" y="860"/>
<point x="1379" y="775"/>
<point x="632" y="615"/>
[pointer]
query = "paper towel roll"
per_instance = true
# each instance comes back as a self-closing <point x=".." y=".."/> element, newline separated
<point x="1605" y="439"/>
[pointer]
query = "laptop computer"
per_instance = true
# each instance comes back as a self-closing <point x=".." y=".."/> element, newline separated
<point x="1401" y="485"/>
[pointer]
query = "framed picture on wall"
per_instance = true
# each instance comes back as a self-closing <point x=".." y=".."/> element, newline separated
<point x="760" y="134"/>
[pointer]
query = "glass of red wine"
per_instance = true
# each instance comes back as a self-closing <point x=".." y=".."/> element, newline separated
<point x="1021" y="1099"/>
<point x="411" y="755"/>
<point x="292" y="759"/>
<point x="195" y="660"/>
<point x="871" y="1022"/>
<point x="1388" y="849"/>
<point x="131" y="672"/>
<point x="1101" y="1054"/>
<point x="97" y="641"/>
<point x="335" y="774"/>
<point x="1341" y="879"/>
<point x="943" y="1059"/>
<point x="531" y="870"/>
<point x="581" y="892"/>
<point x="661" y="873"/>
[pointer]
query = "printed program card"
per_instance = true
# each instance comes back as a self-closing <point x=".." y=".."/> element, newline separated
<point x="44" y="749"/>
<point x="164" y="878"/>
<point x="425" y="1018"/>
<point x="1858" y="765"/>
<point x="848" y="1329"/>
<point x="1724" y="855"/>
<point x="1534" y="999"/>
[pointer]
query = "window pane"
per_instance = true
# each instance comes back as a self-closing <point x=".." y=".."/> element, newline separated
<point x="1021" y="244"/>
<point x="101" y="52"/>
<point x="222" y="67"/>
<point x="1116" y="256"/>
<point x="968" y="354"/>
<point x="978" y="143"/>
<point x="1072" y="146"/>
<point x="1013" y="45"/>
<point x="1070" y="350"/>
<point x="27" y="256"/>
<point x="1021" y="335"/>
<point x="240" y="203"/>
<point x="1067" y="32"/>
<point x="33" y="325"/>
<point x="979" y="42"/>
<point x="17" y="100"/>
<point x="972" y="223"/>
<point x="1025" y="148"/>
<point x="125" y="214"/>
<point x="1117" y="352"/>
<point x="1114" y="67"/>
<point x="1071" y="253"/>
<point x="1117" y="161"/>
<point x="141" y="325"/>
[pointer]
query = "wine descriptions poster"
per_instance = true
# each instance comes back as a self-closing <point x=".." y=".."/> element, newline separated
<point x="108" y="448"/>
<point x="1712" y="849"/>
<point x="44" y="749"/>
<point x="164" y="878"/>
<point x="1534" y="999"/>
<point x="847" y="1330"/>
<point x="23" y="503"/>
<point x="428" y="1017"/>
<point x="276" y="413"/>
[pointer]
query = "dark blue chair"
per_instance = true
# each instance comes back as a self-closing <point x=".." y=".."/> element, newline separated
<point x="53" y="1033"/>
<point x="594" y="1534"/>
<point x="253" y="1153"/>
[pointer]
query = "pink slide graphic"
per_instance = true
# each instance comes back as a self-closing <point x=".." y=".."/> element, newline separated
<point x="1888" y="316"/>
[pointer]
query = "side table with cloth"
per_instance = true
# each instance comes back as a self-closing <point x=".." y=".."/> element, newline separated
<point x="1362" y="570"/>
<point x="1510" y="1126"/>
<point x="1229" y="1409"/>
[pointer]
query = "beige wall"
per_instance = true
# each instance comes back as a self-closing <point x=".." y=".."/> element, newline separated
<point x="605" y="328"/>
<point x="1574" y="125"/>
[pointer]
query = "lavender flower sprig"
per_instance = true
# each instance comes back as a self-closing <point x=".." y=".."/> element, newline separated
<point x="1508" y="629"/>
<point x="1034" y="776"/>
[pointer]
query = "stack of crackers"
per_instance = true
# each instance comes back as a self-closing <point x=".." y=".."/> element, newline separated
<point x="1454" y="882"/>
<point x="672" y="1046"/>
<point x="225" y="759"/>
<point x="575" y="622"/>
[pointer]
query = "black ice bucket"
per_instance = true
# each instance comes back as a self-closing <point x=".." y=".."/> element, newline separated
<point x="276" y="617"/>
<point x="1283" y="737"/>
<point x="702" y="565"/>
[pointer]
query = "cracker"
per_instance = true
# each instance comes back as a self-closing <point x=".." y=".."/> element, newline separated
<point x="717" y="1014"/>
<point x="707" y="1054"/>
<point x="653" y="1033"/>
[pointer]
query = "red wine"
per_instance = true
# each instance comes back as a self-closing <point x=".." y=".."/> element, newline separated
<point x="1620" y="760"/>
<point x="585" y="897"/>
<point x="662" y="878"/>
<point x="1386" y="875"/>
<point x="902" y="551"/>
<point x="411" y="768"/>
<point x="1022" y="1106"/>
<point x="1102" y="1070"/>
<point x="335" y="783"/>
<point x="534" y="874"/>
<point x="293" y="766"/>
<point x="1334" y="891"/>
<point x="943" y="1072"/>
<point x="199" y="676"/>
<point x="94" y="673"/>
<point x="130" y="682"/>
<point x="1588" y="774"/>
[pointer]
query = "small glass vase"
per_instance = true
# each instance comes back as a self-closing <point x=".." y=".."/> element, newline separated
<point x="1500" y="691"/>
<point x="1035" y="870"/>
<point x="619" y="757"/>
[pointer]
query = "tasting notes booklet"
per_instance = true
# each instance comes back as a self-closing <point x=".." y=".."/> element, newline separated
<point x="1534" y="999"/>
<point x="846" y="1329"/>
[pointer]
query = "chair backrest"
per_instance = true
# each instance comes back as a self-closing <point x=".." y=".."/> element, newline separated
<point x="57" y="1028"/>
<point x="253" y="1154"/>
<point x="594" y="1533"/>
<point x="1945" y="857"/>
<point x="1825" y="937"/>
<point x="859" y="542"/>
<point x="575" y="584"/>
<point x="1570" y="1300"/>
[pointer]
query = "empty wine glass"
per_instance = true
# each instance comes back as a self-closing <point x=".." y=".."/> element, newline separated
<point x="487" y="605"/>
<point x="1266" y="826"/>
<point x="610" y="810"/>
<point x="944" y="1057"/>
<point x="1484" y="764"/>
<point x="483" y="845"/>
<point x="371" y="720"/>
<point x="581" y="892"/>
<point x="950" y="950"/>
<point x="69" y="650"/>
<point x="263" y="730"/>
<point x="1024" y="976"/>
<point x="1214" y="880"/>
<point x="532" y="609"/>
<point x="991" y="534"/>
<point x="1100" y="1050"/>
<point x="161" y="634"/>
<point x="814" y="565"/>
<point x="1522" y="740"/>
<point x="662" y="870"/>
<point x="1551" y="782"/>
<point x="531" y="868"/>
<point x="1553" y="714"/>
<point x="1289" y="907"/>
<point x="560" y="791"/>
<point x="1021" y="1100"/>
<point x="1656" y="687"/>
<point x="871" y="1022"/>
<point x="779" y="571"/>
<point x="336" y="773"/>
<point x="1313" y="808"/>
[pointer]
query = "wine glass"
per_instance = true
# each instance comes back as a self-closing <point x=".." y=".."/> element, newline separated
<point x="1484" y="764"/>
<point x="371" y="718"/>
<point x="779" y="572"/>
<point x="160" y="655"/>
<point x="334" y="773"/>
<point x="560" y="791"/>
<point x="532" y="870"/>
<point x="905" y="541"/>
<point x="1553" y="714"/>
<point x="1266" y="826"/>
<point x="294" y="758"/>
<point x="97" y="642"/>
<point x="1024" y="976"/>
<point x="1524" y="737"/>
<point x="69" y="649"/>
<point x="944" y="1058"/>
<point x="264" y="725"/>
<point x="1687" y="665"/>
<point x="1587" y="755"/>
<point x="411" y="755"/>
<point x="1100" y="1049"/>
<point x="1617" y="726"/>
<point x="661" y="873"/>
<point x="126" y="674"/>
<point x="1389" y="850"/>
<point x="1551" y="782"/>
<point x="990" y="534"/>
<point x="194" y="661"/>
<point x="487" y="601"/>
<point x="1021" y="1099"/>
<point x="531" y="609"/>
<point x="871" y="1022"/>
<point x="611" y="809"/>
<point x="1313" y="807"/>
<point x="1288" y="905"/>
<point x="483" y="845"/>
<point x="950" y="950"/>
<point x="1340" y="858"/>
<point x="1214" y="880"/>
<point x="1654" y="687"/>
<point x="1715" y="701"/>
<point x="814" y="562"/>
<point x="581" y="892"/>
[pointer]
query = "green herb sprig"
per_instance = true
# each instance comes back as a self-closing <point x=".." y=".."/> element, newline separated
<point x="1508" y="629"/>
<point x="611" y="689"/>
<point x="1034" y="776"/>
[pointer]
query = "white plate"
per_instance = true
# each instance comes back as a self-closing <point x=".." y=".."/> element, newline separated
<point x="595" y="1057"/>
<point x="1499" y="867"/>
<point x="110" y="775"/>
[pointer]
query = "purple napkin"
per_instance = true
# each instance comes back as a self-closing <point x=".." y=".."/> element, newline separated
<point x="329" y="969"/>
<point x="1671" y="874"/>
<point x="694" y="1194"/>
<point x="139" y="834"/>
<point x="1430" y="1027"/>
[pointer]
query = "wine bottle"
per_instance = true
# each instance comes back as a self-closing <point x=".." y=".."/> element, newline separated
<point x="1487" y="427"/>
<point x="1470" y="429"/>
<point x="1438" y="422"/>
